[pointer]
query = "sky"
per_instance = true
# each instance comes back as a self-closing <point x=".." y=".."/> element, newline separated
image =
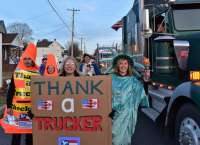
<point x="93" y="22"/>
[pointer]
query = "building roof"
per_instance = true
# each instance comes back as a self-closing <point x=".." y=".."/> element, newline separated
<point x="44" y="43"/>
<point x="2" y="27"/>
<point x="9" y="38"/>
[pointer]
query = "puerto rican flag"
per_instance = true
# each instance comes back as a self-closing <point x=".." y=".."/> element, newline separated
<point x="44" y="105"/>
<point x="89" y="103"/>
<point x="68" y="141"/>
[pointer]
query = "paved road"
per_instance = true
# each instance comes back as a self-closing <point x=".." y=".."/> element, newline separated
<point x="147" y="133"/>
<point x="4" y="139"/>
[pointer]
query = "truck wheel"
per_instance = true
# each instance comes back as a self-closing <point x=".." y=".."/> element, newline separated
<point x="187" y="125"/>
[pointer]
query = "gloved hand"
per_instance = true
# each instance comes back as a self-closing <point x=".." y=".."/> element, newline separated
<point x="112" y="114"/>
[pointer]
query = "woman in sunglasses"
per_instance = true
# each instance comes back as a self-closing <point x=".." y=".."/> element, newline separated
<point x="69" y="67"/>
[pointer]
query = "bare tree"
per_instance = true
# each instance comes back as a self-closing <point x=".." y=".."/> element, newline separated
<point x="23" y="30"/>
<point x="76" y="50"/>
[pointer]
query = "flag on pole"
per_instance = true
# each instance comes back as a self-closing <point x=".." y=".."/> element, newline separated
<point x="117" y="25"/>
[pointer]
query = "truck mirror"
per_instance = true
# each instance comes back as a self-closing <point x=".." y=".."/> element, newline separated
<point x="146" y="26"/>
<point x="181" y="48"/>
<point x="164" y="61"/>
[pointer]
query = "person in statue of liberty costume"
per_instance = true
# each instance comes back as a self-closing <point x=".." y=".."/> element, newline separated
<point x="127" y="95"/>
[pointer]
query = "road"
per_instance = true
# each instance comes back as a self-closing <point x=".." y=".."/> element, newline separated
<point x="4" y="139"/>
<point x="146" y="133"/>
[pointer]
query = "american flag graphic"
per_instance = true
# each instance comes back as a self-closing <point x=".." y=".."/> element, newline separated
<point x="44" y="105"/>
<point x="69" y="141"/>
<point x="89" y="103"/>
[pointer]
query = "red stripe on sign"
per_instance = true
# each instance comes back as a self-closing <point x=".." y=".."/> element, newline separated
<point x="72" y="141"/>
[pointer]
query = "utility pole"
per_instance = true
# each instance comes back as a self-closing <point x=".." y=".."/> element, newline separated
<point x="82" y="44"/>
<point x="72" y="42"/>
<point x="1" y="62"/>
<point x="84" y="48"/>
<point x="116" y="47"/>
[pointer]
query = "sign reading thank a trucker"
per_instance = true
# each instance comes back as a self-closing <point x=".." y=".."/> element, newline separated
<point x="71" y="110"/>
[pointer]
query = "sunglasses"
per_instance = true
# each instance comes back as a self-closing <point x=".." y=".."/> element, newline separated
<point x="69" y="63"/>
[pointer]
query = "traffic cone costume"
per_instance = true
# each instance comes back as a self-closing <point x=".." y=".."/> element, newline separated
<point x="51" y="68"/>
<point x="21" y="102"/>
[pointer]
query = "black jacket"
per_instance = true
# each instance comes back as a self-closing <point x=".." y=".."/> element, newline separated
<point x="10" y="93"/>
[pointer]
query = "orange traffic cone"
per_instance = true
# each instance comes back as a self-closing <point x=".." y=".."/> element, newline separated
<point x="51" y="68"/>
<point x="30" y="52"/>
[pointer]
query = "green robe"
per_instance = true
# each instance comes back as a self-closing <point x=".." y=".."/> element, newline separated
<point x="128" y="94"/>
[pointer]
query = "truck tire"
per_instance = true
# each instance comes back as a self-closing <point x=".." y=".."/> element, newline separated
<point x="187" y="125"/>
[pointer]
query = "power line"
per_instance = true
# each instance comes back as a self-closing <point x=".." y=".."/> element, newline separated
<point x="47" y="29"/>
<point x="54" y="31"/>
<point x="36" y="16"/>
<point x="54" y="9"/>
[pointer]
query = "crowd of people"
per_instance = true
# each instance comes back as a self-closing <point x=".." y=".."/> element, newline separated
<point x="87" y="67"/>
<point x="127" y="91"/>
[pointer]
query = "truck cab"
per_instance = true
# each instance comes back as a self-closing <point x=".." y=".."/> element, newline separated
<point x="174" y="83"/>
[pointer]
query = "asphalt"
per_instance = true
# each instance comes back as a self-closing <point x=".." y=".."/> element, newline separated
<point x="149" y="133"/>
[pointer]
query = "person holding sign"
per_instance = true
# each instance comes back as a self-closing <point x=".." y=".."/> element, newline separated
<point x="51" y="68"/>
<point x="16" y="120"/>
<point x="127" y="94"/>
<point x="69" y="67"/>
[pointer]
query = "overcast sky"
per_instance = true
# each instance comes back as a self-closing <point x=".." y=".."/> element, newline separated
<point x="93" y="22"/>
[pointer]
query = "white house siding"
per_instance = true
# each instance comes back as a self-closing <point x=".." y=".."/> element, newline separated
<point x="55" y="48"/>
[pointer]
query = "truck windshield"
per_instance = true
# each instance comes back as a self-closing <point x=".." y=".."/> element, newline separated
<point x="187" y="19"/>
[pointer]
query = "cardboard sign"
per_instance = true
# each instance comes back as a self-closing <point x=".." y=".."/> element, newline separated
<point x="71" y="110"/>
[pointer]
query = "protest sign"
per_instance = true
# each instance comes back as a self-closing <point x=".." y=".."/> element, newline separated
<point x="71" y="110"/>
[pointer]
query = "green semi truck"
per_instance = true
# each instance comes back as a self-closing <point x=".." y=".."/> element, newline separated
<point x="174" y="56"/>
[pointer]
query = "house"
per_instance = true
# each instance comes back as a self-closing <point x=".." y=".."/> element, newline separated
<point x="11" y="51"/>
<point x="2" y="27"/>
<point x="45" y="47"/>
